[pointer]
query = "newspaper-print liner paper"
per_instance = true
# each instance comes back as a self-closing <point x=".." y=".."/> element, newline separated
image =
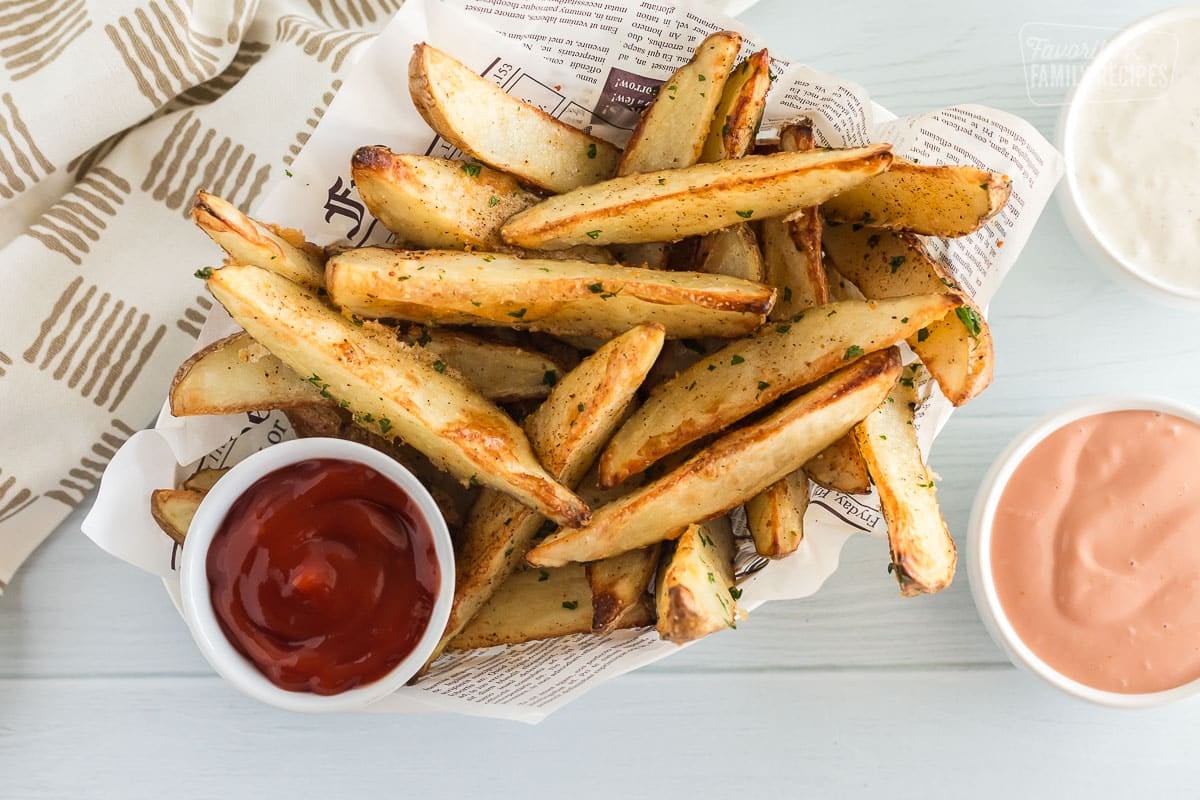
<point x="537" y="57"/>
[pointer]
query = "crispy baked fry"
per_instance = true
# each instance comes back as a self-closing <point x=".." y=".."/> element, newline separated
<point x="958" y="348"/>
<point x="248" y="241"/>
<point x="733" y="252"/>
<point x="392" y="387"/>
<point x="735" y="121"/>
<point x="751" y="373"/>
<point x="567" y="432"/>
<point x="436" y="203"/>
<point x="840" y="467"/>
<point x="560" y="297"/>
<point x="539" y="604"/>
<point x="668" y="205"/>
<point x="733" y="469"/>
<point x="235" y="375"/>
<point x="173" y="510"/>
<point x="672" y="130"/>
<point x="695" y="594"/>
<point x="481" y="119"/>
<point x="936" y="201"/>
<point x="775" y="516"/>
<point x="923" y="554"/>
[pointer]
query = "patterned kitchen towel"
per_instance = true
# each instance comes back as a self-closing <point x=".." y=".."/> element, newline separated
<point x="112" y="114"/>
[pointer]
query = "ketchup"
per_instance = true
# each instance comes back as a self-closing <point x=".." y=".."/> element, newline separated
<point x="323" y="574"/>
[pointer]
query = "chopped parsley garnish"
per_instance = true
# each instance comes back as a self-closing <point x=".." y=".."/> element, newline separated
<point x="287" y="172"/>
<point x="493" y="202"/>
<point x="906" y="382"/>
<point x="735" y="593"/>
<point x="593" y="234"/>
<point x="903" y="320"/>
<point x="439" y="366"/>
<point x="543" y="575"/>
<point x="897" y="262"/>
<point x="471" y="169"/>
<point x="787" y="294"/>
<point x="385" y="424"/>
<point x="737" y="360"/>
<point x="580" y="408"/>
<point x="550" y="377"/>
<point x="570" y="605"/>
<point x="853" y="351"/>
<point x="518" y="314"/>
<point x="204" y="274"/>
<point x="782" y="328"/>
<point x="357" y="320"/>
<point x="747" y="214"/>
<point x="712" y="578"/>
<point x="595" y="288"/>
<point x="926" y="485"/>
<point x="922" y="334"/>
<point x="970" y="320"/>
<point x="489" y="258"/>
<point x="591" y="151"/>
<point x="763" y="385"/>
<point x="702" y="79"/>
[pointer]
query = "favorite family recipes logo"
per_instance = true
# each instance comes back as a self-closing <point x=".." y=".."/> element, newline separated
<point x="1055" y="57"/>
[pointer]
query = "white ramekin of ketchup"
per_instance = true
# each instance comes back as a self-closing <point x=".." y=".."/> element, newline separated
<point x="317" y="575"/>
<point x="1084" y="551"/>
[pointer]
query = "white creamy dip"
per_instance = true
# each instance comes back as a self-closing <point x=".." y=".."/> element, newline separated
<point x="1134" y="149"/>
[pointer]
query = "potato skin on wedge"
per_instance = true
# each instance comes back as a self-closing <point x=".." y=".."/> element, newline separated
<point x="695" y="593"/>
<point x="565" y="297"/>
<point x="931" y="200"/>
<point x="923" y="553"/>
<point x="391" y="387"/>
<point x="434" y="202"/>
<point x="482" y="120"/>
<point x="668" y="205"/>
<point x="733" y="469"/>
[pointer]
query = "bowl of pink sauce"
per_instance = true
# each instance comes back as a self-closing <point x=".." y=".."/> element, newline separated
<point x="1084" y="551"/>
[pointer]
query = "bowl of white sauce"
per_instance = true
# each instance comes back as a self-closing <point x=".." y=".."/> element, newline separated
<point x="1130" y="136"/>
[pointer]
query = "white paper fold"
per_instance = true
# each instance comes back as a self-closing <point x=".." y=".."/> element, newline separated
<point x="580" y="63"/>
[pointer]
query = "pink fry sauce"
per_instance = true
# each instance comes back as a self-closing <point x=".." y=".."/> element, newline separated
<point x="1096" y="551"/>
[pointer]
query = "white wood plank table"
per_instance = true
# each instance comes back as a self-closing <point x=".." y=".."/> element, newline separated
<point x="852" y="692"/>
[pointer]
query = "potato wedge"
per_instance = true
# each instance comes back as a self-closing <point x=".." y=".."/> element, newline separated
<point x="618" y="584"/>
<point x="840" y="467"/>
<point x="204" y="479"/>
<point x="539" y="604"/>
<point x="560" y="297"/>
<point x="775" y="516"/>
<point x="391" y="387"/>
<point x="753" y="372"/>
<point x="673" y="128"/>
<point x="668" y="205"/>
<point x="695" y="594"/>
<point x="247" y="241"/>
<point x="566" y="432"/>
<point x="434" y="202"/>
<point x="793" y="271"/>
<point x="481" y="119"/>
<point x="935" y="201"/>
<point x="733" y="469"/>
<point x="923" y="553"/>
<point x="173" y="510"/>
<point x="958" y="348"/>
<point x="501" y="372"/>
<point x="235" y="375"/>
<point x="735" y="121"/>
<point x="734" y="252"/>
